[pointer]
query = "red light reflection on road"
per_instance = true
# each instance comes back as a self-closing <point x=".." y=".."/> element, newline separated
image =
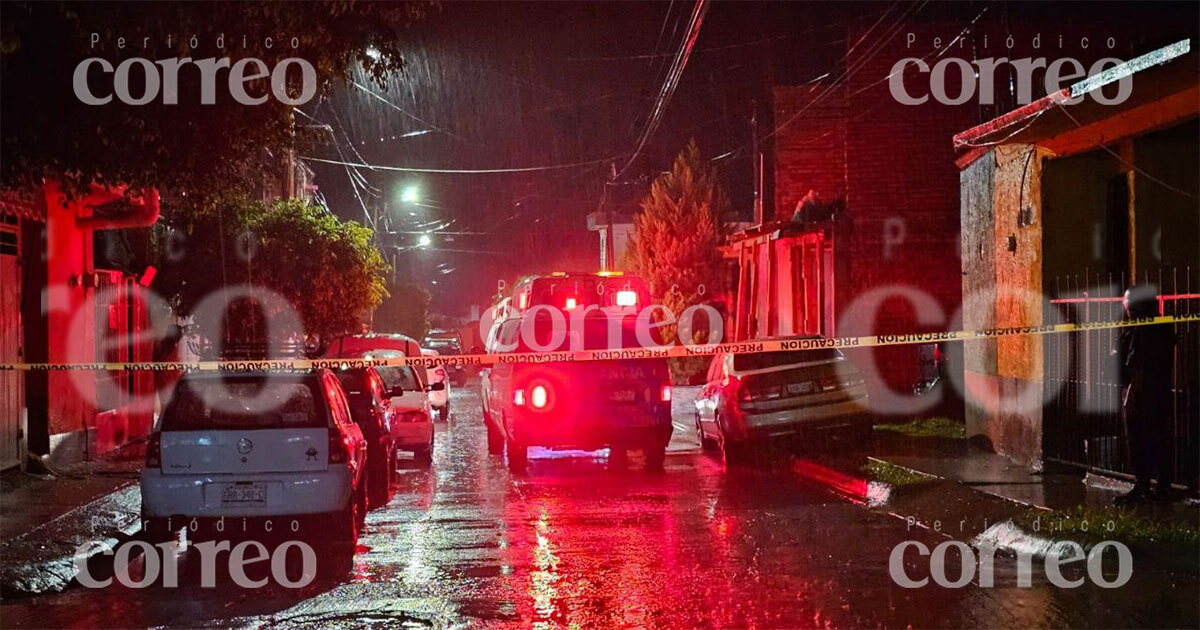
<point x="855" y="489"/>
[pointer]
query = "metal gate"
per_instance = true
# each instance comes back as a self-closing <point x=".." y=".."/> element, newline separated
<point x="12" y="383"/>
<point x="1081" y="391"/>
<point x="123" y="412"/>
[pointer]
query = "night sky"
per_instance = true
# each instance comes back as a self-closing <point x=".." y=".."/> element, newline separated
<point x="503" y="85"/>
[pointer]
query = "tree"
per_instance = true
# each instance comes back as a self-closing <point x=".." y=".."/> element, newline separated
<point x="405" y="312"/>
<point x="676" y="236"/>
<point x="199" y="149"/>
<point x="324" y="268"/>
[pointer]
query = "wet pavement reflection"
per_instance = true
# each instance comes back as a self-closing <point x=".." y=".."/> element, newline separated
<point x="574" y="544"/>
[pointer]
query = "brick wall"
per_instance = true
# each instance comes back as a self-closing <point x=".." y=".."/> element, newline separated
<point x="810" y="153"/>
<point x="895" y="166"/>
<point x="901" y="177"/>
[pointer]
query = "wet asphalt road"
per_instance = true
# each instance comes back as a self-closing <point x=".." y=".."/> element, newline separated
<point x="572" y="544"/>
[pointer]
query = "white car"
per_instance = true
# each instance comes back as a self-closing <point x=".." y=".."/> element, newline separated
<point x="440" y="399"/>
<point x="257" y="454"/>
<point x="751" y="399"/>
<point x="412" y="424"/>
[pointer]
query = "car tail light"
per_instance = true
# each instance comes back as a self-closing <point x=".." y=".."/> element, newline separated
<point x="626" y="298"/>
<point x="154" y="450"/>
<point x="664" y="394"/>
<point x="539" y="396"/>
<point x="339" y="446"/>
<point x="741" y="391"/>
<point x="519" y="398"/>
<point x="830" y="383"/>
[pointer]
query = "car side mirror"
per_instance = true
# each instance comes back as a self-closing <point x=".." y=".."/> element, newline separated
<point x="435" y="387"/>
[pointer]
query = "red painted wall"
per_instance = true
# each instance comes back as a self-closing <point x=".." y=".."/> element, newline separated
<point x="76" y="428"/>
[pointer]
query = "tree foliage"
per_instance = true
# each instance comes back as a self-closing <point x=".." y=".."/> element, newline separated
<point x="325" y="268"/>
<point x="187" y="147"/>
<point x="675" y="242"/>
<point x="405" y="312"/>
<point x="677" y="234"/>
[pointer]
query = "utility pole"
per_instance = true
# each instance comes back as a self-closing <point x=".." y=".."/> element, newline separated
<point x="607" y="235"/>
<point x="289" y="160"/>
<point x="757" y="164"/>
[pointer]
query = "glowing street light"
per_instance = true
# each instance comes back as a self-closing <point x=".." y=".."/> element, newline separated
<point x="424" y="241"/>
<point x="410" y="194"/>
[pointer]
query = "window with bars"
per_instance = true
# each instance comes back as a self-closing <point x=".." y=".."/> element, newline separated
<point x="8" y="235"/>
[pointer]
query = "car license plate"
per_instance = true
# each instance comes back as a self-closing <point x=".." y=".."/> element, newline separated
<point x="799" y="388"/>
<point x="622" y="395"/>
<point x="249" y="493"/>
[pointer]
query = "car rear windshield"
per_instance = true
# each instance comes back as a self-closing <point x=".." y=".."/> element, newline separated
<point x="400" y="376"/>
<point x="445" y="347"/>
<point x="200" y="404"/>
<point x="765" y="360"/>
<point x="354" y="384"/>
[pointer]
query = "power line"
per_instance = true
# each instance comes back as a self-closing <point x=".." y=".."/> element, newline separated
<point x="462" y="171"/>
<point x="337" y="145"/>
<point x="854" y="67"/>
<point x="406" y="112"/>
<point x="756" y="42"/>
<point x="939" y="54"/>
<point x="671" y="82"/>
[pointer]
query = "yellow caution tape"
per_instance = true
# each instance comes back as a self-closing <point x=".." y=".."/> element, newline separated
<point x="739" y="347"/>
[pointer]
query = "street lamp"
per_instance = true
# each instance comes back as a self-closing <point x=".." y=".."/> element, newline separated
<point x="424" y="241"/>
<point x="410" y="194"/>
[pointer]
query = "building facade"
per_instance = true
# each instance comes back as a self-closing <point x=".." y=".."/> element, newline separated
<point x="59" y="306"/>
<point x="864" y="235"/>
<point x="1063" y="207"/>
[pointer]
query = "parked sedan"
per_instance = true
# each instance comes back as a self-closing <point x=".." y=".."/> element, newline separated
<point x="371" y="410"/>
<point x="261" y="450"/>
<point x="439" y="400"/>
<point x="412" y="422"/>
<point x="752" y="399"/>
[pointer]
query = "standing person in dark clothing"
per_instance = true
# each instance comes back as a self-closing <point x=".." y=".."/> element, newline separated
<point x="1147" y="357"/>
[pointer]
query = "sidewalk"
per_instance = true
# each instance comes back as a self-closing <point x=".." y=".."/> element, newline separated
<point x="997" y="475"/>
<point x="44" y="518"/>
<point x="971" y="492"/>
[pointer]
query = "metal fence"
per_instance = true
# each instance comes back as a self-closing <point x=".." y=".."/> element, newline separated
<point x="1081" y="423"/>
